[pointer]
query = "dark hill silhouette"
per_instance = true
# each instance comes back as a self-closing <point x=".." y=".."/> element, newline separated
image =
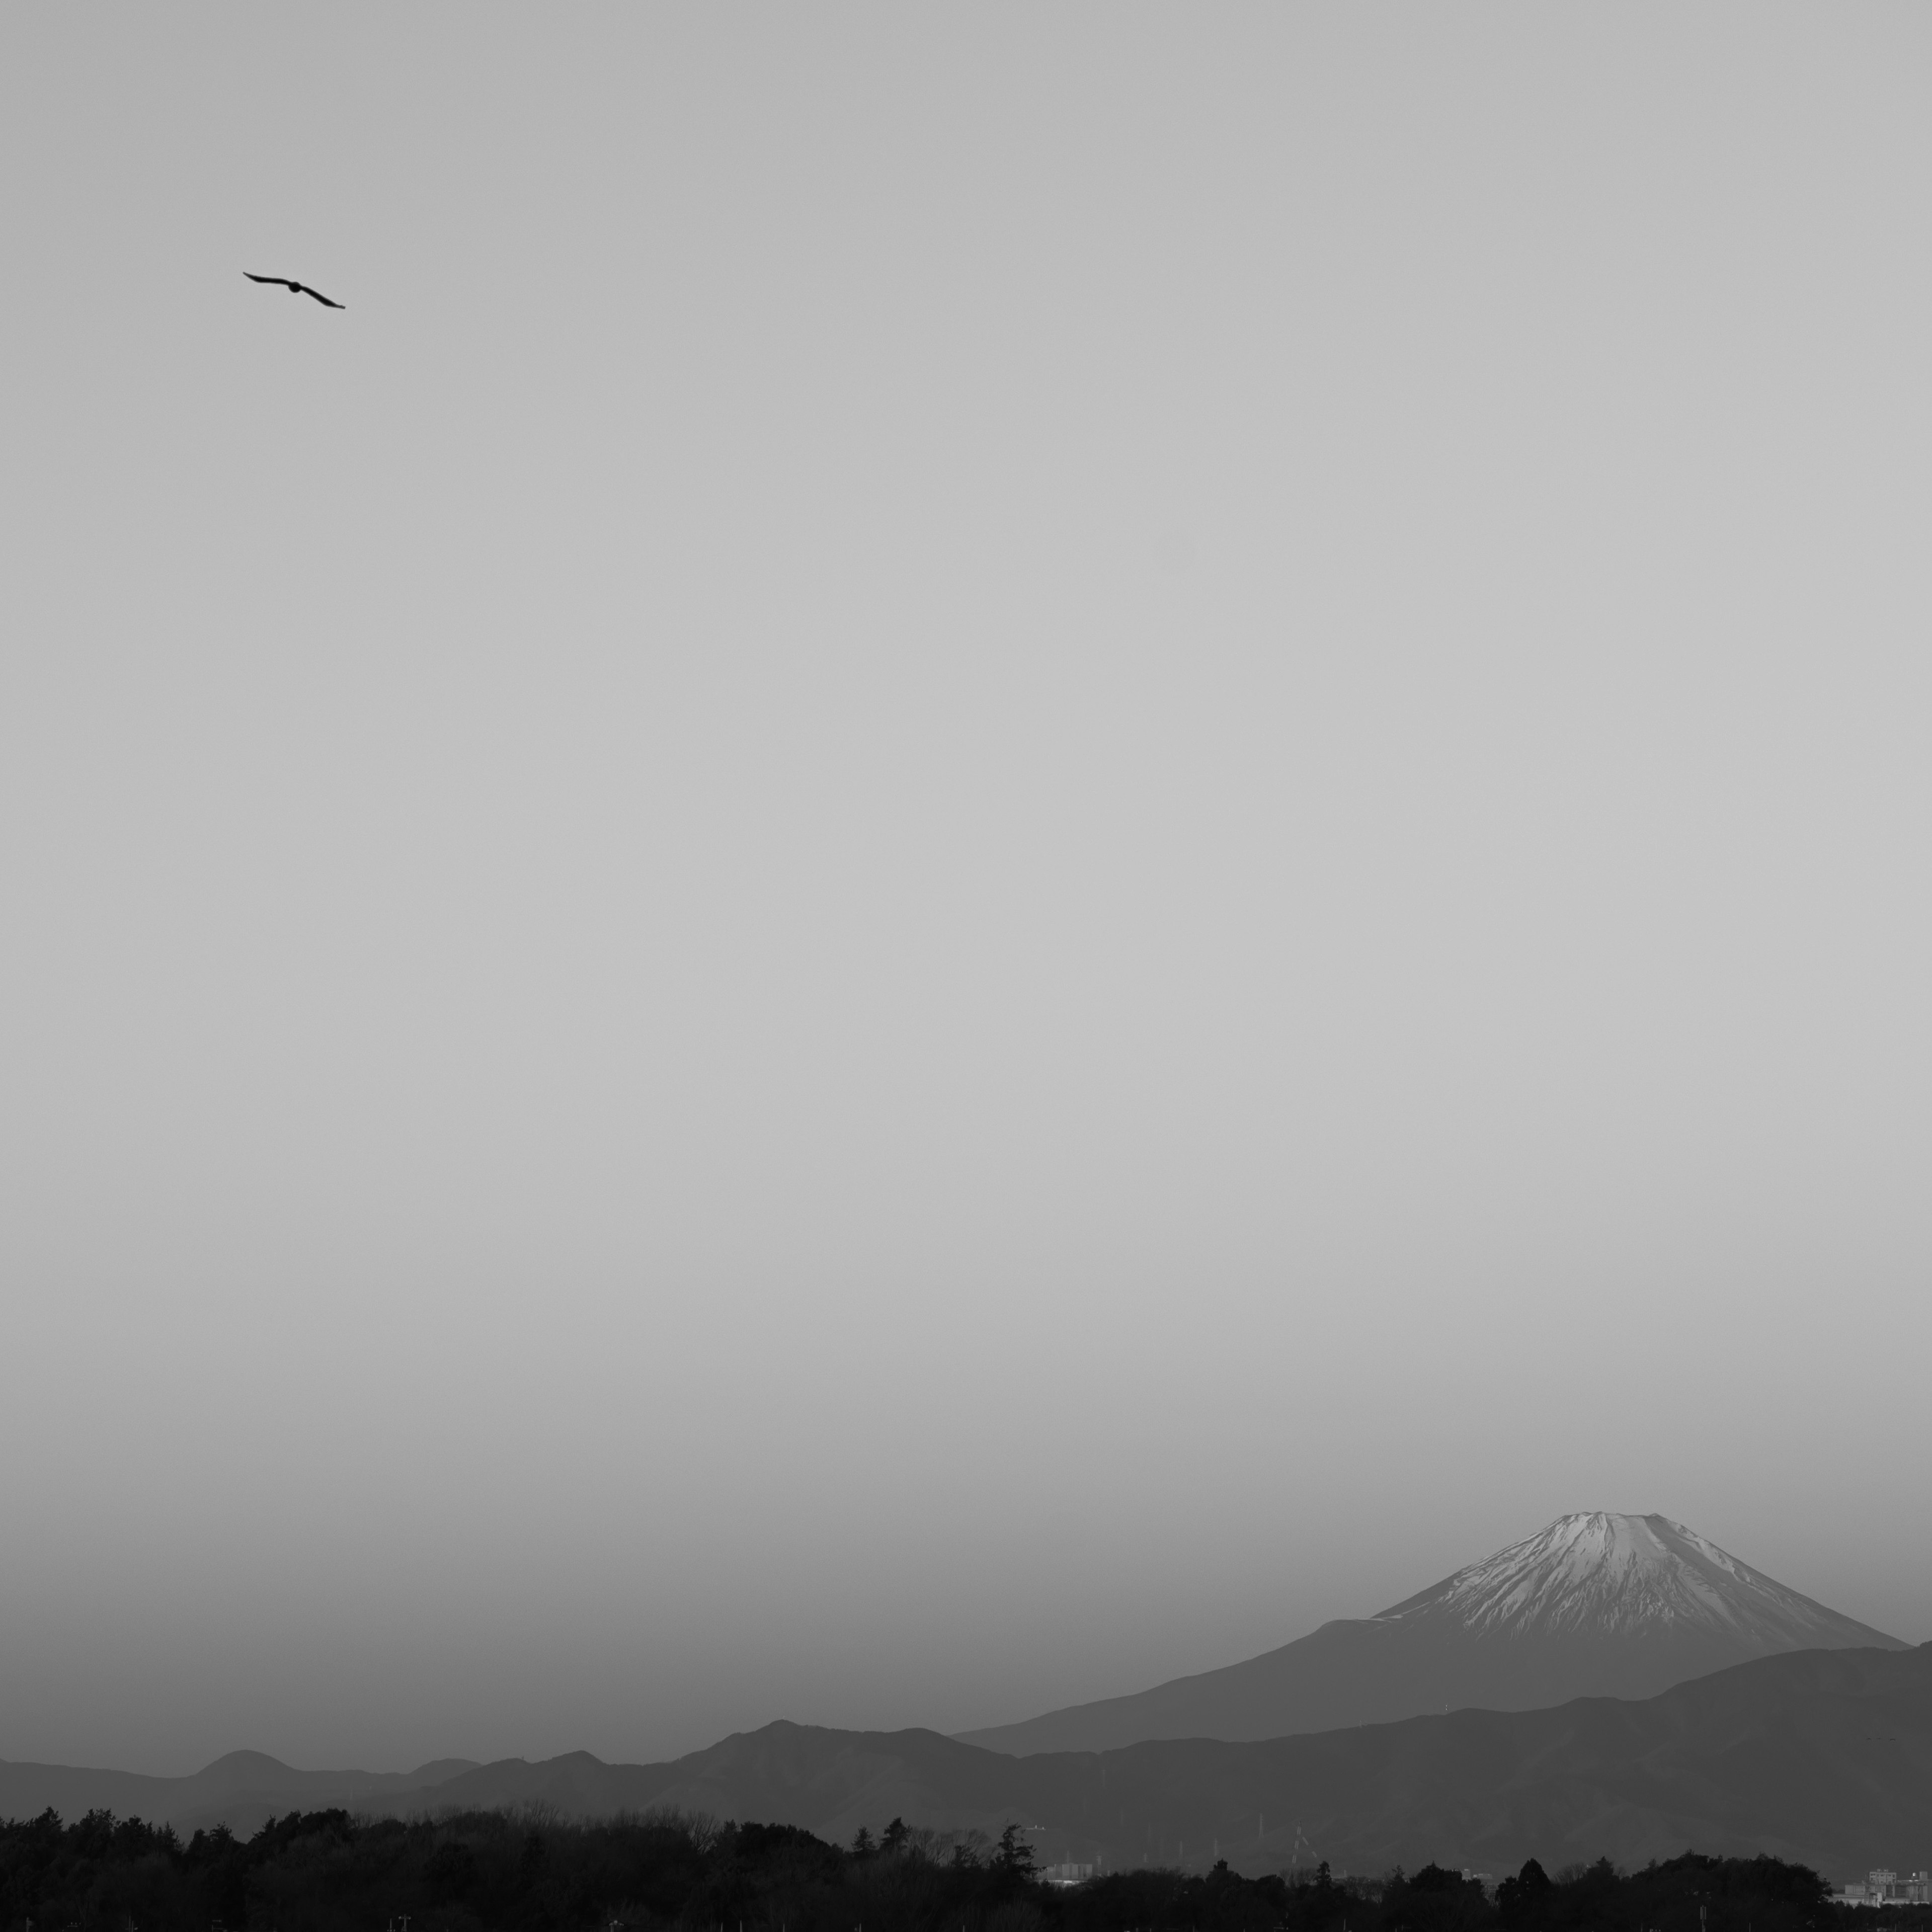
<point x="239" y="1790"/>
<point x="1592" y="1605"/>
<point x="1823" y="1757"/>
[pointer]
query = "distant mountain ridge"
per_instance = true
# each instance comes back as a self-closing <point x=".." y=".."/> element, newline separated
<point x="239" y="1790"/>
<point x="1593" y="1605"/>
<point x="1824" y="1757"/>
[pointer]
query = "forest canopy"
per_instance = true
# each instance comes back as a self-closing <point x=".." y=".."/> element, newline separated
<point x="529" y="1871"/>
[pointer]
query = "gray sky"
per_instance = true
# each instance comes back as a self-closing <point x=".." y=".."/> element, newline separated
<point x="984" y="851"/>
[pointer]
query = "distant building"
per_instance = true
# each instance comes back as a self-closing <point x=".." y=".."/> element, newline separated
<point x="1883" y="1886"/>
<point x="1069" y="1873"/>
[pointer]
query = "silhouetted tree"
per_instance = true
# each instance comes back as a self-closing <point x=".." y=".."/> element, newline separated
<point x="1012" y="1858"/>
<point x="1522" y="1900"/>
<point x="499" y="1872"/>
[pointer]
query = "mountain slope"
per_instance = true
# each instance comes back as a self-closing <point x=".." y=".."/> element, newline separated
<point x="240" y="1790"/>
<point x="1821" y="1755"/>
<point x="1824" y="1757"/>
<point x="1594" y="1605"/>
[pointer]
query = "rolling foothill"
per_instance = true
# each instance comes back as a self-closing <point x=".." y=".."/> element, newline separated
<point x="1622" y="1695"/>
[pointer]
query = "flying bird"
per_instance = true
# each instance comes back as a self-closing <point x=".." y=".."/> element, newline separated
<point x="296" y="288"/>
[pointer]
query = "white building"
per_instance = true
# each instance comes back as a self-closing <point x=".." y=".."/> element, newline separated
<point x="1883" y="1886"/>
<point x="1069" y="1873"/>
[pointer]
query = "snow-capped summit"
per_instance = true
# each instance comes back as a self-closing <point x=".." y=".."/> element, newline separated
<point x="1593" y="1605"/>
<point x="1627" y="1575"/>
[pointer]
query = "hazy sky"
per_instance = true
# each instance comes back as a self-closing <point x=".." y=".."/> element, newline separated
<point x="986" y="849"/>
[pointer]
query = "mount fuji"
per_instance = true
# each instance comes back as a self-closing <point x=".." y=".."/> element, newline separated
<point x="1593" y="1605"/>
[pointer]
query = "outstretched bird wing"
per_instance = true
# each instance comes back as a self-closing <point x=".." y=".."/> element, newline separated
<point x="294" y="288"/>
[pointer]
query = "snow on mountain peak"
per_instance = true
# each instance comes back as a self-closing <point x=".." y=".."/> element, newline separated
<point x="1623" y="1575"/>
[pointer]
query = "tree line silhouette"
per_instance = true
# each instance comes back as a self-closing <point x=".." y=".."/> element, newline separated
<point x="533" y="1871"/>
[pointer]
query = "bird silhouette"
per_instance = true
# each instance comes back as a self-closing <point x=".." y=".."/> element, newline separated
<point x="296" y="288"/>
